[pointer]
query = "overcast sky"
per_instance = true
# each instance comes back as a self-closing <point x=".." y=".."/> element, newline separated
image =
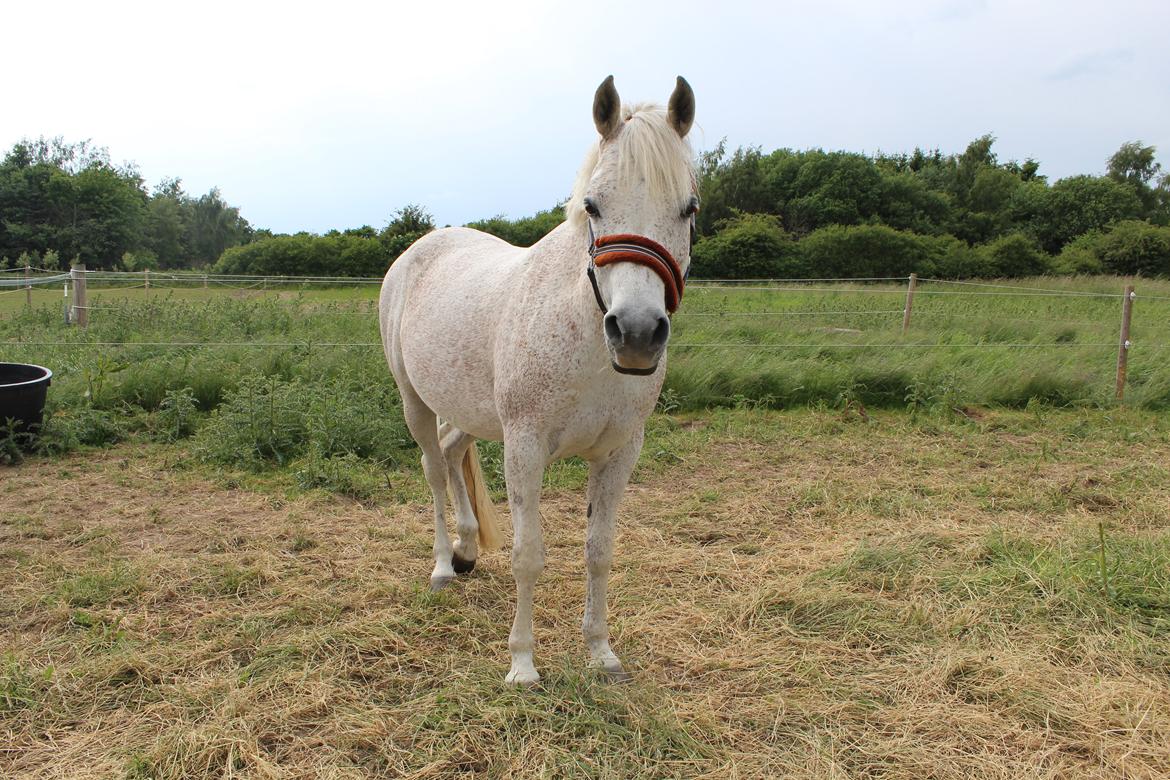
<point x="334" y="114"/>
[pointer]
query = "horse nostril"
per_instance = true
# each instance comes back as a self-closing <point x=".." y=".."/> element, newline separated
<point x="613" y="330"/>
<point x="661" y="333"/>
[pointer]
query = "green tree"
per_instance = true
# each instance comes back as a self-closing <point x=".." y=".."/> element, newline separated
<point x="407" y="225"/>
<point x="70" y="199"/>
<point x="215" y="226"/>
<point x="975" y="158"/>
<point x="1079" y="204"/>
<point x="168" y="227"/>
<point x="731" y="185"/>
<point x="1134" y="164"/>
<point x="907" y="203"/>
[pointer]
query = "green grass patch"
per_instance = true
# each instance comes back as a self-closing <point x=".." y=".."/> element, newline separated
<point x="22" y="686"/>
<point x="117" y="583"/>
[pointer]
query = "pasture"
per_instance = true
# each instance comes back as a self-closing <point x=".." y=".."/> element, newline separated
<point x="835" y="560"/>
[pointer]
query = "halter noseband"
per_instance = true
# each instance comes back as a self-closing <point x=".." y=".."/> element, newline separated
<point x="630" y="248"/>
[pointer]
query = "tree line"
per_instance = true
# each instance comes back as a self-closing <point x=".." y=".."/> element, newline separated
<point x="782" y="214"/>
<point x="67" y="202"/>
<point x="823" y="214"/>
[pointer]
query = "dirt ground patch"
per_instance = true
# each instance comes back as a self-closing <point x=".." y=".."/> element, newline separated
<point x="798" y="595"/>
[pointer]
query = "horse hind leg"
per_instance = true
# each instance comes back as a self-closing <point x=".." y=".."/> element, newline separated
<point x="455" y="444"/>
<point x="424" y="428"/>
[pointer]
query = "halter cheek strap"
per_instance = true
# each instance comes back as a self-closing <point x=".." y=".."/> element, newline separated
<point x="631" y="248"/>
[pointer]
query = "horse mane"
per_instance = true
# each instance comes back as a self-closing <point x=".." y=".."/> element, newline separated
<point x="649" y="149"/>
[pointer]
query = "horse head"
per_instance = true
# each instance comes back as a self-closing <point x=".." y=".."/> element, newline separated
<point x="637" y="198"/>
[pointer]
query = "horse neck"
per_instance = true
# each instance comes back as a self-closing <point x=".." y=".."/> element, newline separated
<point x="559" y="267"/>
<point x="562" y="258"/>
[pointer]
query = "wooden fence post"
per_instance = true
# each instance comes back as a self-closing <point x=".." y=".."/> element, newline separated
<point x="204" y="281"/>
<point x="909" y="303"/>
<point x="146" y="277"/>
<point x="80" y="303"/>
<point x="27" y="285"/>
<point x="1123" y="347"/>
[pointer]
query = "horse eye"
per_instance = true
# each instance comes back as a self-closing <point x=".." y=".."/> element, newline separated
<point x="591" y="208"/>
<point x="691" y="209"/>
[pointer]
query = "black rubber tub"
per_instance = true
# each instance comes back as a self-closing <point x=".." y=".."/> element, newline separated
<point x="22" y="396"/>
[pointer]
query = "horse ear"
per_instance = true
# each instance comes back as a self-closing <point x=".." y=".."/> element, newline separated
<point x="607" y="109"/>
<point x="681" y="111"/>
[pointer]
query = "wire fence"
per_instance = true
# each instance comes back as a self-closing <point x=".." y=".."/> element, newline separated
<point x="16" y="280"/>
<point x="866" y="285"/>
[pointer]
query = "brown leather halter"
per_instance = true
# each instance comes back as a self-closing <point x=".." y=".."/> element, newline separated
<point x="631" y="248"/>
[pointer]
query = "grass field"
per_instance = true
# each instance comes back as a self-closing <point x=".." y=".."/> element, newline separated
<point x="943" y="557"/>
<point x="804" y="593"/>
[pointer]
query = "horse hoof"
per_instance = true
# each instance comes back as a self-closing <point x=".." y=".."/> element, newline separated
<point x="616" y="677"/>
<point x="613" y="673"/>
<point x="461" y="565"/>
<point x="438" y="583"/>
<point x="523" y="678"/>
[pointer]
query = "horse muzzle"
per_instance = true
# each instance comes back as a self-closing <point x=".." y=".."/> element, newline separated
<point x="636" y="340"/>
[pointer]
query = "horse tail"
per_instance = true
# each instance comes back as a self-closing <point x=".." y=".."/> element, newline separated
<point x="481" y="501"/>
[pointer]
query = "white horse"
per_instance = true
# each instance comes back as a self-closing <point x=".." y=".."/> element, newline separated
<point x="557" y="350"/>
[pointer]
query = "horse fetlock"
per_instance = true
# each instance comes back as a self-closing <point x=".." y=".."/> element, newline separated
<point x="443" y="572"/>
<point x="467" y="544"/>
<point x="600" y="654"/>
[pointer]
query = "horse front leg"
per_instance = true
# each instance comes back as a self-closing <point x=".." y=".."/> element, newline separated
<point x="607" y="483"/>
<point x="524" y="460"/>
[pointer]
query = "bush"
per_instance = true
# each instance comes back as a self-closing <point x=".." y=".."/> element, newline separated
<point x="309" y="255"/>
<point x="269" y="419"/>
<point x="1014" y="255"/>
<point x="748" y="246"/>
<point x="65" y="430"/>
<point x="867" y="251"/>
<point x="955" y="259"/>
<point x="1080" y="256"/>
<point x="525" y="231"/>
<point x="263" y="420"/>
<point x="1134" y="247"/>
<point x="176" y="415"/>
<point x="346" y="475"/>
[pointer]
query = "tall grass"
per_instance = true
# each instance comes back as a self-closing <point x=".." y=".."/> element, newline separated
<point x="812" y="345"/>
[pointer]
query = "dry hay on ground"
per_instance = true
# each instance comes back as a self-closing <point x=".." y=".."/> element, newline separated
<point x="798" y="595"/>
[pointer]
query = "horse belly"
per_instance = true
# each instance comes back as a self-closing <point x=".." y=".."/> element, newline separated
<point x="454" y="379"/>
